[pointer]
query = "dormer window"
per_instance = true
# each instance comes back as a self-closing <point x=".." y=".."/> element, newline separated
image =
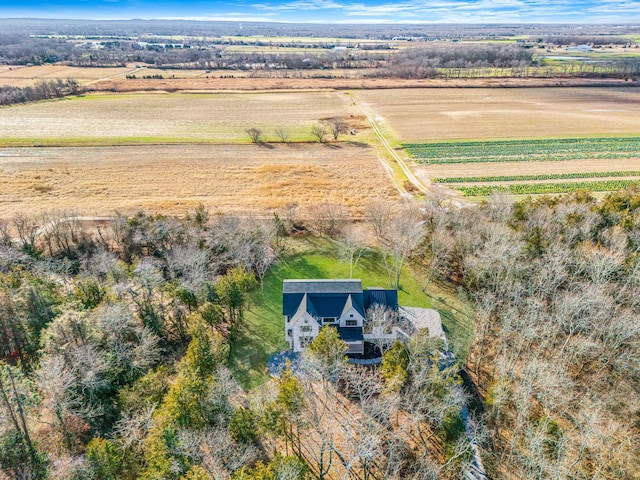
<point x="329" y="319"/>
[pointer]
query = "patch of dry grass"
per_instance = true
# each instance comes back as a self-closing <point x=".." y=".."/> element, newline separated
<point x="22" y="76"/>
<point x="173" y="179"/>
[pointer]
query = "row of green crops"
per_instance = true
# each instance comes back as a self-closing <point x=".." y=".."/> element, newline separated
<point x="527" y="178"/>
<point x="525" y="150"/>
<point x="544" y="188"/>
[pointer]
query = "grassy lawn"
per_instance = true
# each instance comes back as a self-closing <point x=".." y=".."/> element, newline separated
<point x="262" y="333"/>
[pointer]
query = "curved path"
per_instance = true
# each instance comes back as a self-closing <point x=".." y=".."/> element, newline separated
<point x="415" y="181"/>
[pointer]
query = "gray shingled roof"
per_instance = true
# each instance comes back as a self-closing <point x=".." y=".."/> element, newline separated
<point x="322" y="286"/>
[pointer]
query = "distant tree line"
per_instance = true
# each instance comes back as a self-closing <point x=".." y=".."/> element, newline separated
<point x="16" y="49"/>
<point x="226" y="28"/>
<point x="426" y="62"/>
<point x="585" y="40"/>
<point x="42" y="90"/>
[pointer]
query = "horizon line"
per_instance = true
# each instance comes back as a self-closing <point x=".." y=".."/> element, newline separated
<point x="319" y="22"/>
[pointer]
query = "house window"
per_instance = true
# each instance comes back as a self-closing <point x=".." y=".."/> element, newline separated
<point x="352" y="323"/>
<point x="289" y="332"/>
<point x="306" y="328"/>
<point x="328" y="319"/>
<point x="305" y="341"/>
<point x="351" y="315"/>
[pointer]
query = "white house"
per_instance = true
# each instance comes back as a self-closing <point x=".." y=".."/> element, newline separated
<point x="308" y="305"/>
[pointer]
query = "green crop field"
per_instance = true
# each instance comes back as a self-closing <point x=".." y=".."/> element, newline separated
<point x="525" y="150"/>
<point x="546" y="188"/>
<point x="529" y="178"/>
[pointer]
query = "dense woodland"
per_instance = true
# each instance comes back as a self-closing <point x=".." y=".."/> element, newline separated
<point x="42" y="90"/>
<point x="115" y="342"/>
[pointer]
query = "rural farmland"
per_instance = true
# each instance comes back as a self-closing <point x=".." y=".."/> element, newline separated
<point x="517" y="135"/>
<point x="203" y="135"/>
<point x="169" y="118"/>
<point x="250" y="250"/>
<point x="174" y="179"/>
<point x="429" y="115"/>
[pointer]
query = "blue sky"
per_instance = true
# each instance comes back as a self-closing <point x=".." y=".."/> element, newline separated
<point x="337" y="11"/>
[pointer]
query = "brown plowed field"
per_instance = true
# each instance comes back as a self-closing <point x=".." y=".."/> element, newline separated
<point x="173" y="179"/>
<point x="417" y="115"/>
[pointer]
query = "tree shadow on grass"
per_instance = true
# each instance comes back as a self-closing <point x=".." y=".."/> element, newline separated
<point x="248" y="358"/>
<point x="353" y="143"/>
<point x="300" y="266"/>
<point x="260" y="336"/>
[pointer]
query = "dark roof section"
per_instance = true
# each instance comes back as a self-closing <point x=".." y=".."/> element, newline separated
<point x="379" y="296"/>
<point x="322" y="286"/>
<point x="321" y="304"/>
<point x="327" y="298"/>
<point x="291" y="302"/>
<point x="350" y="334"/>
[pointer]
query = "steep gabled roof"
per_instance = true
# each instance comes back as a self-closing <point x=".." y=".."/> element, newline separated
<point x="350" y="303"/>
<point x="304" y="307"/>
<point x="333" y="298"/>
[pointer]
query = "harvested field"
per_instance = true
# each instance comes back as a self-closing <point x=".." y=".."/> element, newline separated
<point x="312" y="79"/>
<point x="527" y="168"/>
<point x="113" y="79"/>
<point x="173" y="179"/>
<point x="482" y="114"/>
<point x="22" y="76"/>
<point x="166" y="118"/>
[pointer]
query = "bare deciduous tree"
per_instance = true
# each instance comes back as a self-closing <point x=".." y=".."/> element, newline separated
<point x="352" y="247"/>
<point x="328" y="219"/>
<point x="255" y="134"/>
<point x="336" y="126"/>
<point x="318" y="132"/>
<point x="399" y="230"/>
<point x="283" y="134"/>
<point x="28" y="232"/>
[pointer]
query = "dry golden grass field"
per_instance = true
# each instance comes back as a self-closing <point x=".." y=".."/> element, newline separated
<point x="173" y="179"/>
<point x="22" y="76"/>
<point x="414" y="115"/>
<point x="183" y="79"/>
<point x="163" y="117"/>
